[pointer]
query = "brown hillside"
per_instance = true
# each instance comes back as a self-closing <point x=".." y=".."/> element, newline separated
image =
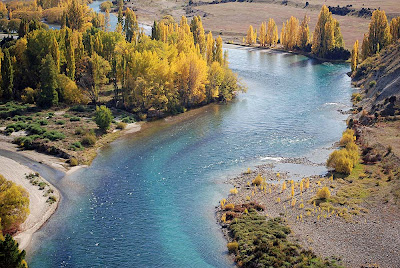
<point x="379" y="79"/>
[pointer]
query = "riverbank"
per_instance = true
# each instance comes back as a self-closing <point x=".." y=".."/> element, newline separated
<point x="279" y="49"/>
<point x="41" y="206"/>
<point x="356" y="224"/>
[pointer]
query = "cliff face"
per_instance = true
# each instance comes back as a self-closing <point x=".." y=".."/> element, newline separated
<point x="379" y="80"/>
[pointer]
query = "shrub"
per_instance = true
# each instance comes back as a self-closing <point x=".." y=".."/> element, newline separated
<point x="26" y="142"/>
<point x="73" y="162"/>
<point x="103" y="117"/>
<point x="340" y="161"/>
<point x="80" y="131"/>
<point x="323" y="193"/>
<point x="258" y="180"/>
<point x="233" y="247"/>
<point x="128" y="119"/>
<point x="18" y="126"/>
<point x="78" y="108"/>
<point x="356" y="97"/>
<point x="121" y="125"/>
<point x="89" y="139"/>
<point x="36" y="129"/>
<point x="42" y="122"/>
<point x="233" y="191"/>
<point x="372" y="84"/>
<point x="60" y="122"/>
<point x="229" y="206"/>
<point x="53" y="135"/>
<point x="75" y="119"/>
<point x="76" y="146"/>
<point x="347" y="136"/>
<point x="9" y="130"/>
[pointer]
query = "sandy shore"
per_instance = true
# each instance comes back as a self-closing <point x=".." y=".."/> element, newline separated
<point x="369" y="238"/>
<point x="40" y="209"/>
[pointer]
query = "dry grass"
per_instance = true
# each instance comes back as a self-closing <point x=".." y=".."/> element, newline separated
<point x="238" y="16"/>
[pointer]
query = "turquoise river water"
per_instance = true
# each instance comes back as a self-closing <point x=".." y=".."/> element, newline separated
<point x="148" y="199"/>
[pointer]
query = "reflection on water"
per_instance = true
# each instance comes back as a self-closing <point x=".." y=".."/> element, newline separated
<point x="148" y="199"/>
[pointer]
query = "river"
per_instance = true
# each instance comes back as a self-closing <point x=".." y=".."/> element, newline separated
<point x="148" y="199"/>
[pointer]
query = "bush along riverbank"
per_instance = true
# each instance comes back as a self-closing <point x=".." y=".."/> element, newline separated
<point x="345" y="218"/>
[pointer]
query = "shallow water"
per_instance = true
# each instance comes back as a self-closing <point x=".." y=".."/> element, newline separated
<point x="148" y="199"/>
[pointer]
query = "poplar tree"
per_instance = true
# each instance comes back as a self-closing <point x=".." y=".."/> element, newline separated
<point x="262" y="38"/>
<point x="131" y="25"/>
<point x="272" y="33"/>
<point x="251" y="37"/>
<point x="48" y="83"/>
<point x="210" y="48"/>
<point x="395" y="29"/>
<point x="75" y="15"/>
<point x="70" y="54"/>
<point x="120" y="16"/>
<point x="7" y="75"/>
<point x="80" y="49"/>
<point x="327" y="35"/>
<point x="218" y="56"/>
<point x="55" y="52"/>
<point x="354" y="57"/>
<point x="378" y="34"/>
<point x="196" y="27"/>
<point x="365" y="47"/>
<point x="303" y="37"/>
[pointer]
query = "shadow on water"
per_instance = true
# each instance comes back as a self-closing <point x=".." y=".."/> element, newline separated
<point x="51" y="174"/>
<point x="305" y="63"/>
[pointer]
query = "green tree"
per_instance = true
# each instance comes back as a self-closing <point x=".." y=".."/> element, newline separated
<point x="103" y="117"/>
<point x="10" y="255"/>
<point x="7" y="75"/>
<point x="48" y="83"/>
<point x="75" y="15"/>
<point x="70" y="54"/>
<point x="55" y="52"/>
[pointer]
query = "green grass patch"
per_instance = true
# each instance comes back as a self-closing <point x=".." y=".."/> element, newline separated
<point x="264" y="243"/>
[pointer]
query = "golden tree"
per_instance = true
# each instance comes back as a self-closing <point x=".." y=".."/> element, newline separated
<point x="354" y="57"/>
<point x="262" y="38"/>
<point x="378" y="34"/>
<point x="327" y="34"/>
<point x="395" y="29"/>
<point x="289" y="33"/>
<point x="251" y="37"/>
<point x="272" y="33"/>
<point x="303" y="36"/>
<point x="210" y="50"/>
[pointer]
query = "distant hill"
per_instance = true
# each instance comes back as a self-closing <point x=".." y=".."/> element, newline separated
<point x="379" y="79"/>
